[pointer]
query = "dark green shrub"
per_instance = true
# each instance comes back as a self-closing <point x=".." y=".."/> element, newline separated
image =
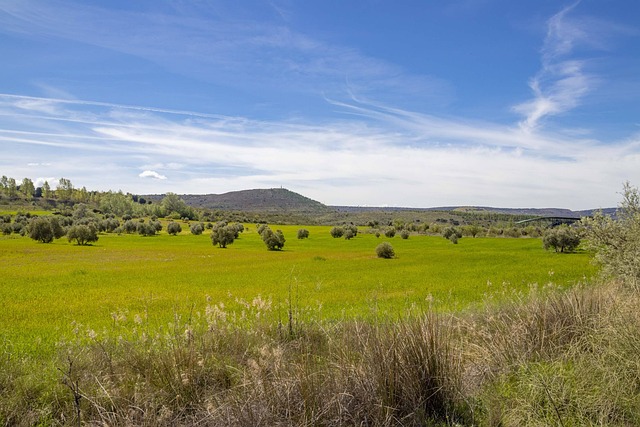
<point x="561" y="239"/>
<point x="385" y="250"/>
<point x="174" y="228"/>
<point x="40" y="230"/>
<point x="223" y="234"/>
<point x="337" y="232"/>
<point x="197" y="228"/>
<point x="303" y="233"/>
<point x="274" y="241"/>
<point x="82" y="234"/>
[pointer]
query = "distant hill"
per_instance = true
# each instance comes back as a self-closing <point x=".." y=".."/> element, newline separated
<point x="274" y="200"/>
<point x="282" y="201"/>
<point x="556" y="212"/>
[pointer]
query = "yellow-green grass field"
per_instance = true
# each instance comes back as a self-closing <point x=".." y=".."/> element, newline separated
<point x="45" y="288"/>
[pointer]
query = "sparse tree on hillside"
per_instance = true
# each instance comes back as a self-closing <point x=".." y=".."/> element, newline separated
<point x="64" y="190"/>
<point x="390" y="232"/>
<point x="12" y="188"/>
<point x="46" y="190"/>
<point x="27" y="188"/>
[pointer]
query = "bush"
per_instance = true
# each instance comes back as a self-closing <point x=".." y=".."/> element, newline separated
<point x="197" y="228"/>
<point x="404" y="234"/>
<point x="129" y="226"/>
<point x="617" y="242"/>
<point x="390" y="232"/>
<point x="561" y="239"/>
<point x="40" y="229"/>
<point x="82" y="234"/>
<point x="450" y="231"/>
<point x="337" y="232"/>
<point x="303" y="233"/>
<point x="385" y="250"/>
<point x="174" y="228"/>
<point x="222" y="234"/>
<point x="148" y="229"/>
<point x="274" y="241"/>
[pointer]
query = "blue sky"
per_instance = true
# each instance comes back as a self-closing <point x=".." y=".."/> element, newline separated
<point x="530" y="103"/>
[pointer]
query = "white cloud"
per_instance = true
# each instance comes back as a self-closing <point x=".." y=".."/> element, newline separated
<point x="561" y="83"/>
<point x="152" y="174"/>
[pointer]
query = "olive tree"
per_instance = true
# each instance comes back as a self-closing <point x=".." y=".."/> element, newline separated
<point x="174" y="228"/>
<point x="616" y="242"/>
<point x="40" y="229"/>
<point x="196" y="229"/>
<point x="273" y="240"/>
<point x="337" y="232"/>
<point x="82" y="234"/>
<point x="385" y="250"/>
<point x="561" y="239"/>
<point x="222" y="234"/>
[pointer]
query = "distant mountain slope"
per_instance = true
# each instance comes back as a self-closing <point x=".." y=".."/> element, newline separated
<point x="262" y="200"/>
<point x="283" y="201"/>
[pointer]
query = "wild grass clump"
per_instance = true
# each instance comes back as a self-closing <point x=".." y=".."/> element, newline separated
<point x="218" y="368"/>
<point x="560" y="358"/>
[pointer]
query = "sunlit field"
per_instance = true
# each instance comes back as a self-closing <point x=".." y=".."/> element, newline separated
<point x="48" y="289"/>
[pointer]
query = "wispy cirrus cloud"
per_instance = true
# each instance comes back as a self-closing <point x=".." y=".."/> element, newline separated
<point x="562" y="82"/>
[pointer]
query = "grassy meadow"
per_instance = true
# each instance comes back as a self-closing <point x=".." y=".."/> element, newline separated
<point x="48" y="289"/>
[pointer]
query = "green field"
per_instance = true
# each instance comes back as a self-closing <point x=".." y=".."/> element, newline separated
<point x="44" y="288"/>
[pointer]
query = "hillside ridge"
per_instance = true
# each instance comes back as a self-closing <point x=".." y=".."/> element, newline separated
<point x="283" y="200"/>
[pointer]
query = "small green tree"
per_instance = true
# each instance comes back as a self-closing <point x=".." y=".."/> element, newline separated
<point x="390" y="232"/>
<point x="273" y="240"/>
<point x="145" y="229"/>
<point x="404" y="234"/>
<point x="197" y="228"/>
<point x="616" y="242"/>
<point x="385" y="250"/>
<point x="561" y="239"/>
<point x="82" y="234"/>
<point x="222" y="234"/>
<point x="453" y="234"/>
<point x="303" y="233"/>
<point x="174" y="228"/>
<point x="337" y="232"/>
<point x="40" y="229"/>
